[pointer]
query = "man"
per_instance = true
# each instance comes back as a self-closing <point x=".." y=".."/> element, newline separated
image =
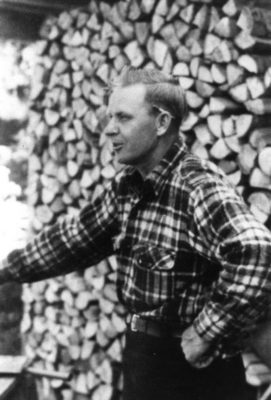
<point x="193" y="261"/>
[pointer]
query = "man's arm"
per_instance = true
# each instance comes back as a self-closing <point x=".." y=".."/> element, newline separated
<point x="72" y="243"/>
<point x="231" y="235"/>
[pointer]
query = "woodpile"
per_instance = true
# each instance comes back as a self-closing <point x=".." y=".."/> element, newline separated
<point x="220" y="52"/>
<point x="15" y="74"/>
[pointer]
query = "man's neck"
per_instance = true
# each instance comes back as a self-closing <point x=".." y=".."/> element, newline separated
<point x="146" y="168"/>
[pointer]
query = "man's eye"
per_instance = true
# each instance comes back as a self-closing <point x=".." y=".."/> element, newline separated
<point x="123" y="117"/>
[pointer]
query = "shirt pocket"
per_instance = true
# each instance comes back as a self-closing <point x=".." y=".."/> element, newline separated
<point x="154" y="258"/>
<point x="154" y="277"/>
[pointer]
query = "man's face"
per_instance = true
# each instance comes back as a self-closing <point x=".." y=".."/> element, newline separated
<point x="132" y="127"/>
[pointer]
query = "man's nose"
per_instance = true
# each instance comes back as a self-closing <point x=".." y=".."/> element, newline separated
<point x="111" y="129"/>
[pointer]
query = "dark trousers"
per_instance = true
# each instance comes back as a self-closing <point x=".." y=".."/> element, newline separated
<point x="155" y="369"/>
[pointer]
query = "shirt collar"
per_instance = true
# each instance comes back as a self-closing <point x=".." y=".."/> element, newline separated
<point x="158" y="176"/>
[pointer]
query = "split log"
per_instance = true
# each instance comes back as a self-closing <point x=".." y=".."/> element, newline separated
<point x="204" y="89"/>
<point x="211" y="43"/>
<point x="220" y="150"/>
<point x="233" y="143"/>
<point x="244" y="41"/>
<point x="226" y="28"/>
<point x="256" y="86"/>
<point x="188" y="13"/>
<point x="201" y="18"/>
<point x="189" y="122"/>
<point x="134" y="54"/>
<point x="235" y="178"/>
<point x="240" y="93"/>
<point x="193" y="99"/>
<point x="219" y="74"/>
<point x="259" y="180"/>
<point x="228" y="166"/>
<point x="228" y="126"/>
<point x="168" y="33"/>
<point x="103" y="392"/>
<point x="194" y="66"/>
<point x="246" y="158"/>
<point x="224" y="53"/>
<point x="183" y="54"/>
<point x="160" y="52"/>
<point x="51" y="117"/>
<point x="264" y="160"/>
<point x="247" y="122"/>
<point x="260" y="204"/>
<point x="235" y="74"/>
<point x="186" y="83"/>
<point x="222" y="105"/>
<point x="259" y="106"/>
<point x="44" y="214"/>
<point x="205" y="111"/>
<point x="260" y="138"/>
<point x="204" y="135"/>
<point x="200" y="150"/>
<point x="254" y="64"/>
<point x="215" y="125"/>
<point x="204" y="74"/>
<point x="174" y="10"/>
<point x="181" y="69"/>
<point x="231" y="8"/>
<point x="267" y="78"/>
<point x="243" y="123"/>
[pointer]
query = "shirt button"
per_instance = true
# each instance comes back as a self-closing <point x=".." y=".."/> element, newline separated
<point x="216" y="318"/>
<point x="140" y="261"/>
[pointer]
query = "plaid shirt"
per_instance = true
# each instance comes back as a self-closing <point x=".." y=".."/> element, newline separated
<point x="188" y="248"/>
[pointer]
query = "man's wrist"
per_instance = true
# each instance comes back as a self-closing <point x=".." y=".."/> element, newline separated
<point x="203" y="328"/>
<point x="212" y="325"/>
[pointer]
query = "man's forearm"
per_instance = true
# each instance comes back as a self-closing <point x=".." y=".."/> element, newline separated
<point x="198" y="352"/>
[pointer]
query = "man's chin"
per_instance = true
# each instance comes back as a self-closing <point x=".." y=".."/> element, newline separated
<point x="125" y="159"/>
<point x="121" y="159"/>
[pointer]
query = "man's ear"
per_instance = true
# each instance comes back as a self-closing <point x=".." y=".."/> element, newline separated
<point x="163" y="121"/>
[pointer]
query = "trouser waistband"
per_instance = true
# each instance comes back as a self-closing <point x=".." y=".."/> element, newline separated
<point x="136" y="323"/>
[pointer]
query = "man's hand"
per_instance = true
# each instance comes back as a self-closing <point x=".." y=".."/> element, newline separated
<point x="197" y="351"/>
<point x="257" y="372"/>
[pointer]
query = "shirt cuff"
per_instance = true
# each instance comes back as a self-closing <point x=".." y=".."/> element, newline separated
<point x="213" y="325"/>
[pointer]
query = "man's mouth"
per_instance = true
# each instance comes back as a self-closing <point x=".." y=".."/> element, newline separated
<point x="117" y="146"/>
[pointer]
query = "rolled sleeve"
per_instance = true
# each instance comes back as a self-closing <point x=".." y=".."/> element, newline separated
<point x="73" y="243"/>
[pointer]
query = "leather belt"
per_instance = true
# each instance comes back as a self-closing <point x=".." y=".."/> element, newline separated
<point x="136" y="323"/>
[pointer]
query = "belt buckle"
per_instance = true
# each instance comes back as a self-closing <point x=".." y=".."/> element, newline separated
<point x="133" y="323"/>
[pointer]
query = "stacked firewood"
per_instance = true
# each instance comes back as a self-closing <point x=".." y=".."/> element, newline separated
<point x="218" y="51"/>
<point x="14" y="226"/>
<point x="15" y="70"/>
